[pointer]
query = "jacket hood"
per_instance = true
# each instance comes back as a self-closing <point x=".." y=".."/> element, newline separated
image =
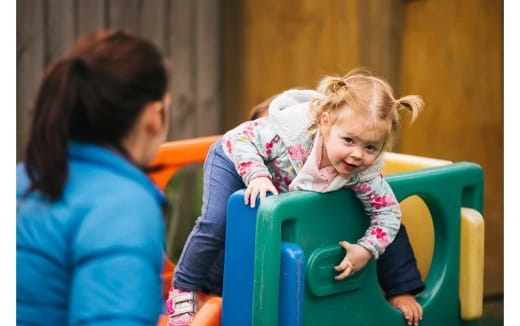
<point x="290" y="115"/>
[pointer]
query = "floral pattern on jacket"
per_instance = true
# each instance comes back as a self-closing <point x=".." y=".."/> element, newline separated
<point x="257" y="151"/>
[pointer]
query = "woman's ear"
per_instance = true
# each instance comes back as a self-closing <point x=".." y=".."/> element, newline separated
<point x="153" y="117"/>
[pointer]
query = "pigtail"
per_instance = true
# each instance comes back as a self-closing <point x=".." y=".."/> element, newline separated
<point x="332" y="86"/>
<point x="413" y="103"/>
<point x="46" y="152"/>
<point x="337" y="93"/>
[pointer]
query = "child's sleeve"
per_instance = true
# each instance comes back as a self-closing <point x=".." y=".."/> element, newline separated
<point x="384" y="212"/>
<point x="249" y="146"/>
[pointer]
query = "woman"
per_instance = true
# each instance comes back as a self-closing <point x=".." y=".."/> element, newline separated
<point x="89" y="221"/>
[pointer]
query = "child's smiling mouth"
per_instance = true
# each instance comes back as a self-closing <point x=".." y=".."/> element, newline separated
<point x="349" y="166"/>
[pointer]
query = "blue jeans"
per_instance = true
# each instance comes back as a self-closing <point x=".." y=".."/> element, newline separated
<point x="201" y="265"/>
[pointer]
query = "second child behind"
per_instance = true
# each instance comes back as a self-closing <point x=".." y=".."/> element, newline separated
<point x="320" y="141"/>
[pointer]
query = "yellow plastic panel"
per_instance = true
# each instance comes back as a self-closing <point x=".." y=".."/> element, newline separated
<point x="396" y="162"/>
<point x="419" y="224"/>
<point x="471" y="279"/>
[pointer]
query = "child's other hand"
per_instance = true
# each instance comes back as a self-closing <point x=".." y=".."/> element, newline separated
<point x="258" y="186"/>
<point x="411" y="309"/>
<point x="355" y="259"/>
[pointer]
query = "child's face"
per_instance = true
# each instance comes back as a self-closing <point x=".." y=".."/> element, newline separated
<point x="350" y="145"/>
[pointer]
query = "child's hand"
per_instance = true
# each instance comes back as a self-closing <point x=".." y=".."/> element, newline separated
<point x="411" y="309"/>
<point x="258" y="186"/>
<point x="355" y="259"/>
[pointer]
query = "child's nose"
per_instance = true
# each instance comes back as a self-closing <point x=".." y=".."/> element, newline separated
<point x="356" y="152"/>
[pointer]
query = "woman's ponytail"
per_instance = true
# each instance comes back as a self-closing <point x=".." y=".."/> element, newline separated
<point x="46" y="153"/>
<point x="94" y="95"/>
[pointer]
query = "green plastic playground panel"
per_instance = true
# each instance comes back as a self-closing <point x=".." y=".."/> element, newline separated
<point x="317" y="222"/>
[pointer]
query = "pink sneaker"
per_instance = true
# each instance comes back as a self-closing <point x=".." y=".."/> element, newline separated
<point x="181" y="307"/>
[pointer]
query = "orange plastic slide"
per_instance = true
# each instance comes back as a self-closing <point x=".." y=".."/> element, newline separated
<point x="172" y="156"/>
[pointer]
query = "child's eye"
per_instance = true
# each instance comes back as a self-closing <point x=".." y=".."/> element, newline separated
<point x="348" y="140"/>
<point x="371" y="148"/>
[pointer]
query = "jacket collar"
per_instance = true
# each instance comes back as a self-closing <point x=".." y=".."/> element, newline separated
<point x="102" y="156"/>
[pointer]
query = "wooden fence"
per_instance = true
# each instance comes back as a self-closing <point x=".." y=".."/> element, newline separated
<point x="188" y="33"/>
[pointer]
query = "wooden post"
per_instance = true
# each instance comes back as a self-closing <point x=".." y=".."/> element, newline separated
<point x="152" y="22"/>
<point x="30" y="61"/>
<point x="180" y="41"/>
<point x="208" y="72"/>
<point x="380" y="38"/>
<point x="60" y="31"/>
<point x="90" y="16"/>
<point x="233" y="63"/>
<point x="124" y="14"/>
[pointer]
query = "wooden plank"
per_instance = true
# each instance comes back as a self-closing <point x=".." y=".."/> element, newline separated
<point x="30" y="61"/>
<point x="275" y="45"/>
<point x="180" y="42"/>
<point x="208" y="72"/>
<point x="124" y="14"/>
<point x="380" y="34"/>
<point x="453" y="57"/>
<point x="90" y="16"/>
<point x="152" y="22"/>
<point x="233" y="63"/>
<point x="60" y="29"/>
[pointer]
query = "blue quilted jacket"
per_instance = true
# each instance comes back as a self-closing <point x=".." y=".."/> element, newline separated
<point x="95" y="256"/>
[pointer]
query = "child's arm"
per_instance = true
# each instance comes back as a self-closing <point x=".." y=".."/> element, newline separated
<point x="384" y="212"/>
<point x="385" y="219"/>
<point x="249" y="145"/>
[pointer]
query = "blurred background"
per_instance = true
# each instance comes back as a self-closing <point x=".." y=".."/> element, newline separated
<point x="228" y="55"/>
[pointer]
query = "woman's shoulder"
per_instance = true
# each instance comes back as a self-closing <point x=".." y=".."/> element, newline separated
<point x="113" y="200"/>
<point x="103" y="186"/>
<point x="102" y="173"/>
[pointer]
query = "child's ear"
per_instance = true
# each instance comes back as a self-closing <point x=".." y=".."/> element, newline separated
<point x="324" y="122"/>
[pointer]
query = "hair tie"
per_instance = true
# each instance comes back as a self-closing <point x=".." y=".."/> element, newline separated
<point x="80" y="66"/>
<point x="337" y="85"/>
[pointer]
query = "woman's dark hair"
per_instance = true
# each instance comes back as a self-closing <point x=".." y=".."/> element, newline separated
<point x="95" y="94"/>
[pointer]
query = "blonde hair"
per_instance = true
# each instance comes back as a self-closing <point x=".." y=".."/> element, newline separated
<point x="361" y="93"/>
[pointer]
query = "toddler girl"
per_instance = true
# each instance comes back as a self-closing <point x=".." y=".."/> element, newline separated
<point x="321" y="141"/>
